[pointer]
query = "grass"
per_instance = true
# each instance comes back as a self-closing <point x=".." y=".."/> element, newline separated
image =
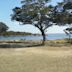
<point x="30" y="43"/>
<point x="36" y="59"/>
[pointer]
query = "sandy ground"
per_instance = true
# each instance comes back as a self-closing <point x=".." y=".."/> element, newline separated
<point x="41" y="50"/>
<point x="36" y="59"/>
<point x="47" y="50"/>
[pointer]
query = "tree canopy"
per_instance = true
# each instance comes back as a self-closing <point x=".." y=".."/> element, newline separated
<point x="62" y="15"/>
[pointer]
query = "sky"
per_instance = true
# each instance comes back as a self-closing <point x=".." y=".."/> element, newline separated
<point x="6" y="7"/>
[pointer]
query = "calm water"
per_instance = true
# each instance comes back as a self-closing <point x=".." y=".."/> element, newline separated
<point x="48" y="37"/>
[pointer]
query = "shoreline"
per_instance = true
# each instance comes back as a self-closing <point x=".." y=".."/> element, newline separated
<point x="31" y="43"/>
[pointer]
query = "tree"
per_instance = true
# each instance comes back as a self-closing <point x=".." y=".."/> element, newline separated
<point x="68" y="32"/>
<point x="34" y="12"/>
<point x="68" y="9"/>
<point x="3" y="27"/>
<point x="62" y="15"/>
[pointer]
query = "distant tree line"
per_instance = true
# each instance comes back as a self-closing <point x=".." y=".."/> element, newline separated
<point x="12" y="33"/>
<point x="4" y="31"/>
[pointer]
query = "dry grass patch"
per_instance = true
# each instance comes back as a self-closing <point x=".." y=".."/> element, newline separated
<point x="36" y="59"/>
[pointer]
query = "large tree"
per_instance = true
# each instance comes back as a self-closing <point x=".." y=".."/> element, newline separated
<point x="3" y="27"/>
<point x="34" y="12"/>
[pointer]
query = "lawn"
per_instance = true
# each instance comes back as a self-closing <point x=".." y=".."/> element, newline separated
<point x="36" y="59"/>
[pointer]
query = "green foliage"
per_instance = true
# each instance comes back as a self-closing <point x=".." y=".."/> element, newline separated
<point x="62" y="14"/>
<point x="3" y="27"/>
<point x="68" y="5"/>
<point x="31" y="11"/>
<point x="12" y="33"/>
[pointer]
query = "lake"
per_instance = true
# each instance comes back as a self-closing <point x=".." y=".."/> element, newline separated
<point x="48" y="37"/>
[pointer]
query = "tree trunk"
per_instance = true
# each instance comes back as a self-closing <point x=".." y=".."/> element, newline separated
<point x="44" y="37"/>
<point x="69" y="38"/>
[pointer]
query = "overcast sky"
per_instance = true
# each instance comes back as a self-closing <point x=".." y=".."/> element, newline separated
<point x="6" y="7"/>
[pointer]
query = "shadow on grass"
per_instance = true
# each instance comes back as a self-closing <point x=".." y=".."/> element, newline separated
<point x="19" y="45"/>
